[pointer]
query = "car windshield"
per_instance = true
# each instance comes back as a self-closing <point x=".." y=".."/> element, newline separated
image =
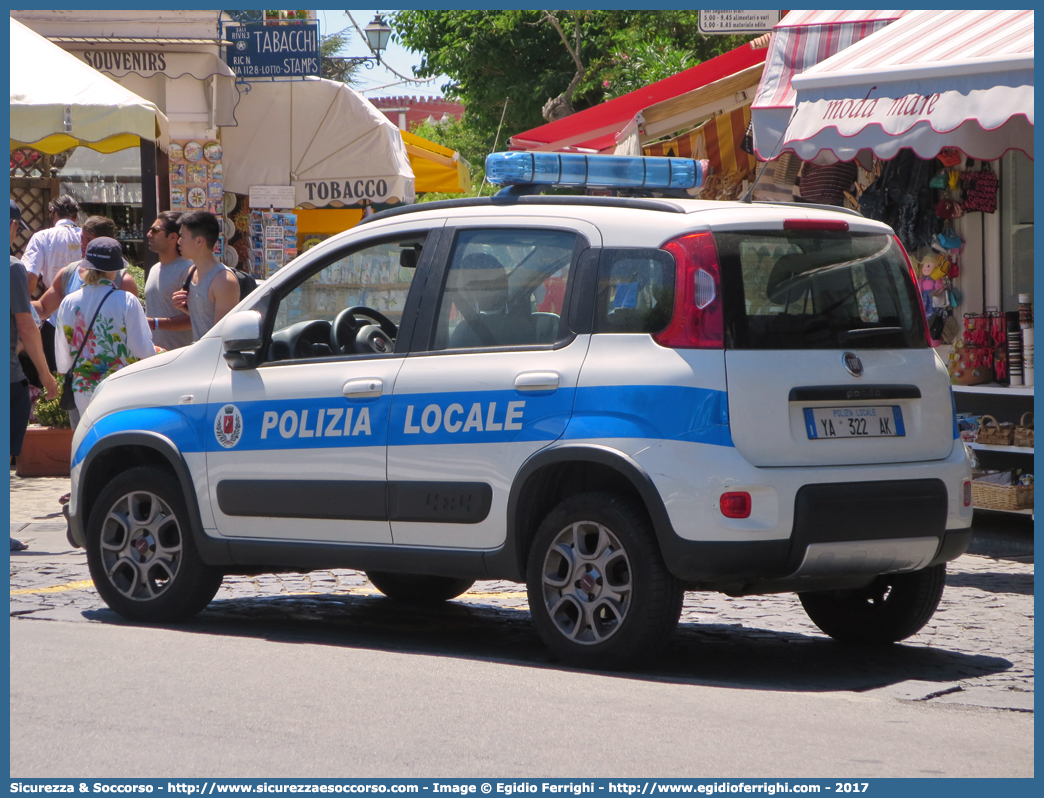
<point x="817" y="290"/>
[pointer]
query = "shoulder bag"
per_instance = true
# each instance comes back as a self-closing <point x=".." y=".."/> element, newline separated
<point x="68" y="401"/>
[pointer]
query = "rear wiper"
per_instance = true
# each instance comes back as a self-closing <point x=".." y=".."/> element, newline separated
<point x="869" y="332"/>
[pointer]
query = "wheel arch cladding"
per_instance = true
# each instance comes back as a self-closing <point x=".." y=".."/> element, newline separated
<point x="550" y="477"/>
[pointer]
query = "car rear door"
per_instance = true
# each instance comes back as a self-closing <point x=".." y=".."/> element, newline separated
<point x="494" y="382"/>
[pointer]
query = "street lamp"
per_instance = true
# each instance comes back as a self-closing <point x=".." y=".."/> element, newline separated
<point x="377" y="34"/>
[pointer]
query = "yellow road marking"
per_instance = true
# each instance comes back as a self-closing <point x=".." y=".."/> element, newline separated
<point x="56" y="588"/>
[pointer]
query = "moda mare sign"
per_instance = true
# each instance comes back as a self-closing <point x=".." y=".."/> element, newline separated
<point x="273" y="51"/>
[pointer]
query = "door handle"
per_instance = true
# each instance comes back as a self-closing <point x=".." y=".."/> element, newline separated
<point x="363" y="389"/>
<point x="537" y="381"/>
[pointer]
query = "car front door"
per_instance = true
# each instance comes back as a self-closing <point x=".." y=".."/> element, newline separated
<point x="298" y="447"/>
<point x="493" y="382"/>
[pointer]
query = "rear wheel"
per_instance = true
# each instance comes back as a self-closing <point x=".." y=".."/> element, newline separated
<point x="891" y="608"/>
<point x="140" y="550"/>
<point x="599" y="591"/>
<point x="418" y="588"/>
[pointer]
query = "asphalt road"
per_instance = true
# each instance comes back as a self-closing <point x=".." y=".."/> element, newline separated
<point x="318" y="675"/>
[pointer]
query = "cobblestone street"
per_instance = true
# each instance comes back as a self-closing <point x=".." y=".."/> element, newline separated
<point x="977" y="650"/>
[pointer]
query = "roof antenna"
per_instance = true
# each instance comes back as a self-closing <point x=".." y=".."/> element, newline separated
<point x="496" y="141"/>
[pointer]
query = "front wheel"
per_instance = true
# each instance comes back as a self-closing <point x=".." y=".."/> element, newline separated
<point x="141" y="553"/>
<point x="599" y="591"/>
<point x="417" y="588"/>
<point x="889" y="609"/>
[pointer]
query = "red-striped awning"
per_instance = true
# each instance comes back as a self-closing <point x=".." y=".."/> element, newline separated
<point x="594" y="130"/>
<point x="800" y="41"/>
<point x="718" y="140"/>
<point x="932" y="79"/>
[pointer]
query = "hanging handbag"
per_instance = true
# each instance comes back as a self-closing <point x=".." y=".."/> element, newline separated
<point x="949" y="239"/>
<point x="980" y="190"/>
<point x="68" y="400"/>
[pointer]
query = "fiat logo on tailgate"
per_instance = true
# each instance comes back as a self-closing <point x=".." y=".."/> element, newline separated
<point x="853" y="365"/>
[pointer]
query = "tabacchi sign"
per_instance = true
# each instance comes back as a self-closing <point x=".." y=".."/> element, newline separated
<point x="273" y="51"/>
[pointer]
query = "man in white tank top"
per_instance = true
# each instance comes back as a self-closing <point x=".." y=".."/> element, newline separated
<point x="214" y="290"/>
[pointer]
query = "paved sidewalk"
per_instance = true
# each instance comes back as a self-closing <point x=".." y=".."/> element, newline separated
<point x="977" y="649"/>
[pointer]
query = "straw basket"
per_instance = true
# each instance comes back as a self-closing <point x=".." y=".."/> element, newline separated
<point x="1024" y="431"/>
<point x="995" y="433"/>
<point x="987" y="496"/>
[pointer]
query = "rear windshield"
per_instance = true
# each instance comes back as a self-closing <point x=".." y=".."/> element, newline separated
<point x="800" y="289"/>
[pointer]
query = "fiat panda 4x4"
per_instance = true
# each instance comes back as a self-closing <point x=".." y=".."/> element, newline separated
<point x="611" y="399"/>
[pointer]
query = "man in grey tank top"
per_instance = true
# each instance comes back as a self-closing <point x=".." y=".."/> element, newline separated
<point x="214" y="290"/>
<point x="170" y="327"/>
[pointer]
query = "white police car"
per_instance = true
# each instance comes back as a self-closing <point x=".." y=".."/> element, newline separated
<point x="612" y="400"/>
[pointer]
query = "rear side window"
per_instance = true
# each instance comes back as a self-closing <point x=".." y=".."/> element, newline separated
<point x="635" y="291"/>
<point x="817" y="290"/>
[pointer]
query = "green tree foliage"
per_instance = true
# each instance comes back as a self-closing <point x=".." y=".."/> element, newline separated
<point x="331" y="65"/>
<point x="492" y="55"/>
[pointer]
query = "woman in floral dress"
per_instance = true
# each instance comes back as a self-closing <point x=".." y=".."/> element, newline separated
<point x="120" y="335"/>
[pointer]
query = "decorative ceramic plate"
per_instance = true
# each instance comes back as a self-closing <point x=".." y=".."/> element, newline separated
<point x="193" y="151"/>
<point x="212" y="151"/>
<point x="231" y="257"/>
<point x="175" y="152"/>
<point x="197" y="197"/>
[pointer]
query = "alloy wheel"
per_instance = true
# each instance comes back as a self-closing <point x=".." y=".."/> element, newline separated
<point x="587" y="583"/>
<point x="141" y="546"/>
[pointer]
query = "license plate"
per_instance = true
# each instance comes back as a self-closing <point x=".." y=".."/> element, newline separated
<point x="832" y="423"/>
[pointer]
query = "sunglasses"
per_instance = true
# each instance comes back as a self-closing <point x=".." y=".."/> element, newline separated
<point x="157" y="230"/>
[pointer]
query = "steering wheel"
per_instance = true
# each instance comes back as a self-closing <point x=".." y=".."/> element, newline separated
<point x="350" y="335"/>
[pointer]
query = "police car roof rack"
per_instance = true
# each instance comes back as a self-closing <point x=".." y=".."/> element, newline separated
<point x="496" y="201"/>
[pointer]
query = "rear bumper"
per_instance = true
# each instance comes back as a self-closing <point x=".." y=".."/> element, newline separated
<point x="841" y="531"/>
<point x="808" y="525"/>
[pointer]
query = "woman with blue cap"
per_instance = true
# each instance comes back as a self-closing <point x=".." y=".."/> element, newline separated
<point x="100" y="329"/>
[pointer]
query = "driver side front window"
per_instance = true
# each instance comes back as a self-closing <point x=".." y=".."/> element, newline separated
<point x="352" y="306"/>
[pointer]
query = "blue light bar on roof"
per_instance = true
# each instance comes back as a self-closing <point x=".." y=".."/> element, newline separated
<point x="604" y="171"/>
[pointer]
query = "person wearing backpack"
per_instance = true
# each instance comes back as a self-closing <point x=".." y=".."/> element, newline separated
<point x="70" y="278"/>
<point x="212" y="290"/>
<point x="171" y="329"/>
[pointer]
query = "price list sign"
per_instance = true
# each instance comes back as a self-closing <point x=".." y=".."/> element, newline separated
<point x="731" y="22"/>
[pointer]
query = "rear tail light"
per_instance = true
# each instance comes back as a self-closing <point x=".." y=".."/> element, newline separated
<point x="967" y="493"/>
<point x="917" y="289"/>
<point x="735" y="504"/>
<point x="697" y="322"/>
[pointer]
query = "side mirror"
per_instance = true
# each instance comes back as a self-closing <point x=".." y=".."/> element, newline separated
<point x="241" y="336"/>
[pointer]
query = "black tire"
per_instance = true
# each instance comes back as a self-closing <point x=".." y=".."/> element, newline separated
<point x="418" y="588"/>
<point x="587" y="546"/>
<point x="142" y="555"/>
<point x="889" y="609"/>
